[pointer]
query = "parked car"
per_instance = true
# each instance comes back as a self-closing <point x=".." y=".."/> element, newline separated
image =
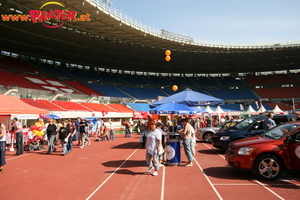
<point x="247" y="128"/>
<point x="269" y="154"/>
<point x="205" y="134"/>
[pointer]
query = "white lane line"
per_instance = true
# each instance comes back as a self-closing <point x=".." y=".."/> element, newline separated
<point x="253" y="184"/>
<point x="162" y="194"/>
<point x="19" y="156"/>
<point x="263" y="185"/>
<point x="208" y="180"/>
<point x="258" y="182"/>
<point x="111" y="175"/>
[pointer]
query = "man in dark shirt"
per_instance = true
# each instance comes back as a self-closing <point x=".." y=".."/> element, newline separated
<point x="64" y="134"/>
<point x="51" y="132"/>
<point x="82" y="132"/>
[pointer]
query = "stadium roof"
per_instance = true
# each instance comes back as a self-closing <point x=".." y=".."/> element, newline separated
<point x="112" y="42"/>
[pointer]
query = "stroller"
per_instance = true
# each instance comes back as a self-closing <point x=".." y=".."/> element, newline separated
<point x="36" y="143"/>
<point x="103" y="135"/>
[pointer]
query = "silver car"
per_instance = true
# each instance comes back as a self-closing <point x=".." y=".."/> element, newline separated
<point x="205" y="134"/>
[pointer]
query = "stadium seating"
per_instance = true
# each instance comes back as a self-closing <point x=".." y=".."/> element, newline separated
<point x="48" y="84"/>
<point x="120" y="108"/>
<point x="229" y="82"/>
<point x="258" y="80"/>
<point x="17" y="65"/>
<point x="135" y="80"/>
<point x="50" y="105"/>
<point x="10" y="79"/>
<point x="142" y="93"/>
<point x="107" y="90"/>
<point x="71" y="105"/>
<point x="281" y="79"/>
<point x="183" y="82"/>
<point x="234" y="94"/>
<point x="278" y="92"/>
<point x="36" y="103"/>
<point x="52" y="70"/>
<point x="99" y="107"/>
<point x="158" y="81"/>
<point x="204" y="82"/>
<point x="82" y="75"/>
<point x="110" y="78"/>
<point x="83" y="88"/>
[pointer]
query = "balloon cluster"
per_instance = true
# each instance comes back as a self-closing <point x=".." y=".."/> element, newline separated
<point x="168" y="57"/>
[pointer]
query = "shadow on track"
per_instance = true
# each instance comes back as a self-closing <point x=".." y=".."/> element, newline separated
<point x="210" y="151"/>
<point x="129" y="163"/>
<point x="126" y="172"/>
<point x="128" y="145"/>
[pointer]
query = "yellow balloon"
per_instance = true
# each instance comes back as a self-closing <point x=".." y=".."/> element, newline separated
<point x="168" y="58"/>
<point x="175" y="87"/>
<point x="168" y="52"/>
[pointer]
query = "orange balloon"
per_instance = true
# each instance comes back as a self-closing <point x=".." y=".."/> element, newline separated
<point x="168" y="58"/>
<point x="175" y="87"/>
<point x="168" y="52"/>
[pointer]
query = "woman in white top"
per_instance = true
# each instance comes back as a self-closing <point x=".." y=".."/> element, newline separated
<point x="153" y="147"/>
<point x="187" y="137"/>
<point x="2" y="146"/>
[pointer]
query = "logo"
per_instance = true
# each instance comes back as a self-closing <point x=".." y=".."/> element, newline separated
<point x="44" y="15"/>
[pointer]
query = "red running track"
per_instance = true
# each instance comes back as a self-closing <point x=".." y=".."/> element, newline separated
<point x="116" y="170"/>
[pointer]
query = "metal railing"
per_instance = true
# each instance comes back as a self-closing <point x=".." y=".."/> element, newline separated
<point x="105" y="7"/>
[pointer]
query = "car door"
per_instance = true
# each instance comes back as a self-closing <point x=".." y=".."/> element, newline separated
<point x="294" y="151"/>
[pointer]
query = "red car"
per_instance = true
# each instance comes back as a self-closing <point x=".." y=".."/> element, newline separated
<point x="269" y="154"/>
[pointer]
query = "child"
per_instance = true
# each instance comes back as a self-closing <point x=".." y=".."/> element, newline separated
<point x="112" y="132"/>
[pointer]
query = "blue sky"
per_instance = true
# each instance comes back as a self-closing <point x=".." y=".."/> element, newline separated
<point x="220" y="21"/>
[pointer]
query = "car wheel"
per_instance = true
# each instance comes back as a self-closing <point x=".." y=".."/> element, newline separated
<point x="207" y="137"/>
<point x="268" y="167"/>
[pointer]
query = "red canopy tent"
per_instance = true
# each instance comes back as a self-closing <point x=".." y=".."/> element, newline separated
<point x="14" y="105"/>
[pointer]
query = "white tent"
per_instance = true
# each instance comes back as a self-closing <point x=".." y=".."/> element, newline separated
<point x="219" y="110"/>
<point x="209" y="110"/>
<point x="277" y="110"/>
<point x="261" y="109"/>
<point x="251" y="111"/>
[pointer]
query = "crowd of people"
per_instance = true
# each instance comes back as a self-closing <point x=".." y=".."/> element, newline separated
<point x="56" y="132"/>
<point x="68" y="131"/>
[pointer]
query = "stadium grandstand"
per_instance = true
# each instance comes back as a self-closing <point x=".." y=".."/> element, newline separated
<point x="109" y="65"/>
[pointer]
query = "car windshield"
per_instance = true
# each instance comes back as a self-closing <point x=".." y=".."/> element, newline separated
<point x="222" y="124"/>
<point x="243" y="124"/>
<point x="279" y="132"/>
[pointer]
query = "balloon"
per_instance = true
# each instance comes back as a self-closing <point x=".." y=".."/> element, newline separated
<point x="168" y="52"/>
<point x="47" y="117"/>
<point x="33" y="127"/>
<point x="168" y="58"/>
<point x="41" y="115"/>
<point x="175" y="87"/>
<point x="39" y="128"/>
<point x="93" y="114"/>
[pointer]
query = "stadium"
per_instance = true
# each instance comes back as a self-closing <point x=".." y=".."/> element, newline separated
<point x="109" y="62"/>
<point x="105" y="64"/>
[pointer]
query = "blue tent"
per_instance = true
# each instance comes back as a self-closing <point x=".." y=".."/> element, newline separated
<point x="190" y="98"/>
<point x="173" y="108"/>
